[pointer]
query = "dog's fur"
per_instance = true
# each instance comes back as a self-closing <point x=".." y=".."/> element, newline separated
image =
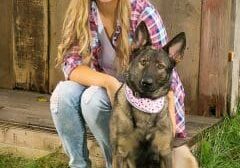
<point x="138" y="137"/>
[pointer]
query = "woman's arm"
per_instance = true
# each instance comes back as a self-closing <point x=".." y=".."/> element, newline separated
<point x="74" y="69"/>
<point x="171" y="109"/>
<point x="87" y="77"/>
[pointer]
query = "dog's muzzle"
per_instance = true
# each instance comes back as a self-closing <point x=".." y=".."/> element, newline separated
<point x="147" y="84"/>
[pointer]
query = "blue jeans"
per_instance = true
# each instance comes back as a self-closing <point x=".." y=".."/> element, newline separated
<point x="74" y="106"/>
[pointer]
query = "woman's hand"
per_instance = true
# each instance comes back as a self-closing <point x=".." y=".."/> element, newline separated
<point x="111" y="85"/>
<point x="171" y="109"/>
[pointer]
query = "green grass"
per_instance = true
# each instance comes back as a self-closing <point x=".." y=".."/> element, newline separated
<point x="55" y="160"/>
<point x="220" y="147"/>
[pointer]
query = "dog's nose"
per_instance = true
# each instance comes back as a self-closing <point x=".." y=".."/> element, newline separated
<point x="147" y="82"/>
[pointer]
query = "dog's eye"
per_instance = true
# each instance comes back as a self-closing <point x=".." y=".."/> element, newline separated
<point x="160" y="66"/>
<point x="143" y="62"/>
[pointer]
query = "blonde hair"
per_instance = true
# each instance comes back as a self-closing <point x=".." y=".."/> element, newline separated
<point x="76" y="30"/>
<point x="123" y="45"/>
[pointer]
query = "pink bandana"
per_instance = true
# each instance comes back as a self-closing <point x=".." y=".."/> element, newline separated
<point x="144" y="104"/>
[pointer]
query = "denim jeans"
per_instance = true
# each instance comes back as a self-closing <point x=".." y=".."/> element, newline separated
<point x="74" y="106"/>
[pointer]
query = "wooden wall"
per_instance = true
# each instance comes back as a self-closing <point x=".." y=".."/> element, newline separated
<point x="178" y="16"/>
<point x="215" y="45"/>
<point x="57" y="10"/>
<point x="181" y="21"/>
<point x="6" y="70"/>
<point x="30" y="57"/>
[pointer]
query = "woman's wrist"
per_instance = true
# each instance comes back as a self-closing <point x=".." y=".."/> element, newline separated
<point x="107" y="80"/>
<point x="111" y="84"/>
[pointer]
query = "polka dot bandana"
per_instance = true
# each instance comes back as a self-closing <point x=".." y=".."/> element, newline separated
<point x="144" y="104"/>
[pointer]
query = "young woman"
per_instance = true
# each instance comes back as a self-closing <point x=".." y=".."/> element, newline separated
<point x="94" y="51"/>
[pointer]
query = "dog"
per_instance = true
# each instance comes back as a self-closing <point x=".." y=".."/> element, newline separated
<point x="143" y="139"/>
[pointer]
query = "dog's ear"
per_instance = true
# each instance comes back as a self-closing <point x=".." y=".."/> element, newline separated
<point x="141" y="36"/>
<point x="175" y="48"/>
<point x="172" y="63"/>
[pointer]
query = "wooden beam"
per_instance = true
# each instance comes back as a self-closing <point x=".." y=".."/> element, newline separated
<point x="29" y="108"/>
<point x="56" y="22"/>
<point x="6" y="46"/>
<point x="30" y="58"/>
<point x="233" y="71"/>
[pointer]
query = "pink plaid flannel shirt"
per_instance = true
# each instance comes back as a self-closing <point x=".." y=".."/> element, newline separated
<point x="142" y="10"/>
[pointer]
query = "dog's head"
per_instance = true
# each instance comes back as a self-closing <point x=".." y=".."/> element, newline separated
<point x="149" y="72"/>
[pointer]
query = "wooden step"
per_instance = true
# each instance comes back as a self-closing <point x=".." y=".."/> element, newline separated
<point x="27" y="128"/>
<point x="34" y="142"/>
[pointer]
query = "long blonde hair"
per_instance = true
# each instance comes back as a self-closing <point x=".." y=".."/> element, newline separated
<point x="76" y="29"/>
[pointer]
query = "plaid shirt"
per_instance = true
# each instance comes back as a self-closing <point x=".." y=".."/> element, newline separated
<point x="141" y="11"/>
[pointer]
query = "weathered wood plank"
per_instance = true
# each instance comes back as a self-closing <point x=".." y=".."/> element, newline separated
<point x="30" y="58"/>
<point x="215" y="45"/>
<point x="233" y="82"/>
<point x="25" y="107"/>
<point x="237" y="36"/>
<point x="56" y="23"/>
<point x="6" y="74"/>
<point x="185" y="15"/>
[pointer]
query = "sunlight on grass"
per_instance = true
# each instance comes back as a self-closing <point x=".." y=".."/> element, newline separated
<point x="220" y="147"/>
<point x="55" y="160"/>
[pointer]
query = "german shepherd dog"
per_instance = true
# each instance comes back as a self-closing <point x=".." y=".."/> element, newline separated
<point x="140" y="139"/>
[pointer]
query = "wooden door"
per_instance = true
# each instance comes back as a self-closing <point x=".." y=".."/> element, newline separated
<point x="215" y="44"/>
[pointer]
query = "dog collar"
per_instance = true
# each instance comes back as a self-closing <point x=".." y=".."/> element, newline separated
<point x="144" y="104"/>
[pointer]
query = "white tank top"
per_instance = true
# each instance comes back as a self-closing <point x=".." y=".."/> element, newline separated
<point x="107" y="59"/>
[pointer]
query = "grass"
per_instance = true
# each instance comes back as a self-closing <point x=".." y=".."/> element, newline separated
<point x="55" y="160"/>
<point x="220" y="147"/>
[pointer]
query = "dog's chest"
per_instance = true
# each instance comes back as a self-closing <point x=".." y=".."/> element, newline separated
<point x="143" y="120"/>
<point x="147" y="121"/>
<point x="144" y="104"/>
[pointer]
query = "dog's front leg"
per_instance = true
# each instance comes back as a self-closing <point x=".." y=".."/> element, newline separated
<point x="123" y="140"/>
<point x="125" y="156"/>
<point x="119" y="162"/>
<point x="166" y="160"/>
<point x="162" y="143"/>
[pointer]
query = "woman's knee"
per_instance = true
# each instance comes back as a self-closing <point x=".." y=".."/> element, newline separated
<point x="66" y="93"/>
<point x="94" y="99"/>
<point x="96" y="96"/>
